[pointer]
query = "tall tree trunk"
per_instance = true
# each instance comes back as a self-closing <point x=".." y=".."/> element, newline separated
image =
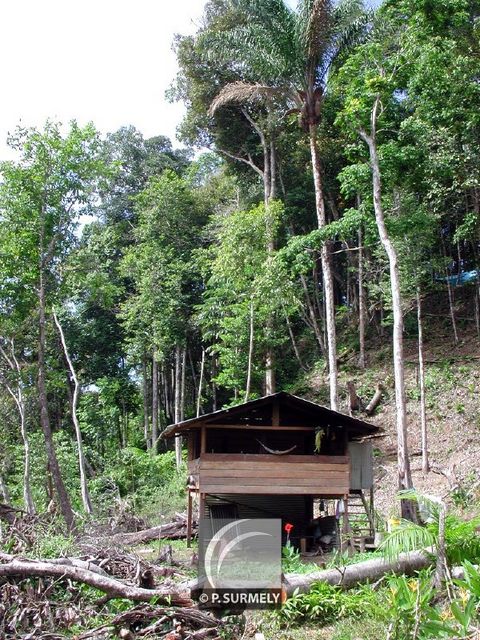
<point x="293" y="341"/>
<point x="312" y="315"/>
<point x="27" y="488"/>
<point x="362" y="306"/>
<point x="270" y="382"/>
<point x="4" y="493"/>
<point x="270" y="194"/>
<point x="166" y="392"/>
<point x="62" y="495"/>
<point x="194" y="378"/>
<point x="250" y="354"/>
<point x="318" y="306"/>
<point x="325" y="256"/>
<point x="476" y="296"/>
<point x="421" y="379"/>
<point x="200" y="384"/>
<point x="273" y="171"/>
<point x="450" y="296"/>
<point x="182" y="388"/>
<point x="87" y="504"/>
<point x="441" y="563"/>
<point x="155" y="402"/>
<point x="214" y="384"/>
<point x="404" y="473"/>
<point x="146" y="417"/>
<point x="19" y="400"/>
<point x="178" y="397"/>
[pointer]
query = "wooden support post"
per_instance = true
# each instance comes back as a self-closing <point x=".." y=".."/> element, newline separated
<point x="369" y="510"/>
<point x="189" y="518"/>
<point x="202" y="505"/>
<point x="347" y="538"/>
<point x="203" y="441"/>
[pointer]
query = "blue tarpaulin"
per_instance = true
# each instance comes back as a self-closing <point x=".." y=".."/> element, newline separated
<point x="461" y="278"/>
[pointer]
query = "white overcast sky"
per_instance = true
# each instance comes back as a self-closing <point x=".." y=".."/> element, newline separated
<point x="105" y="61"/>
<point x="108" y="61"/>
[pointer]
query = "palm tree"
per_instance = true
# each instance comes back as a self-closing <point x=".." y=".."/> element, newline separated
<point x="289" y="53"/>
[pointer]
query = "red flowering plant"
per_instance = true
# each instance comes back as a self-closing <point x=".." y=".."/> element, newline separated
<point x="288" y="528"/>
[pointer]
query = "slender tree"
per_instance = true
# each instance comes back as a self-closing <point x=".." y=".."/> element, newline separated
<point x="41" y="197"/>
<point x="16" y="391"/>
<point x="404" y="473"/>
<point x="87" y="503"/>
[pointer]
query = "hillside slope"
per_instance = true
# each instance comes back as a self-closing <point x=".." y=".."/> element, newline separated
<point x="453" y="402"/>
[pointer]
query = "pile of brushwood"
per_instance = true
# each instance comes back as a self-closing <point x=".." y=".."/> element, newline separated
<point x="103" y="590"/>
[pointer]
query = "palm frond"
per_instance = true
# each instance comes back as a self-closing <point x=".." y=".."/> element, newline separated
<point x="314" y="20"/>
<point x="242" y="93"/>
<point x="407" y="537"/>
<point x="352" y="24"/>
<point x="347" y="11"/>
<point x="255" y="36"/>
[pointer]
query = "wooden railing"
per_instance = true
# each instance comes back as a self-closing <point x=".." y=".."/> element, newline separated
<point x="225" y="473"/>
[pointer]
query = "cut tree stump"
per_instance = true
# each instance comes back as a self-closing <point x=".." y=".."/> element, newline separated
<point x="375" y="401"/>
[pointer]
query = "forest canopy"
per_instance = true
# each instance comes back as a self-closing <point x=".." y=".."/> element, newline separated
<point x="328" y="190"/>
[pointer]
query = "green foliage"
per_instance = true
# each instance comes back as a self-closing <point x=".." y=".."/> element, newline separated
<point x="151" y="481"/>
<point x="327" y="604"/>
<point x="368" y="628"/>
<point x="408" y="536"/>
<point x="51" y="544"/>
<point x="242" y="278"/>
<point x="292" y="561"/>
<point x="462" y="540"/>
<point x="408" y="609"/>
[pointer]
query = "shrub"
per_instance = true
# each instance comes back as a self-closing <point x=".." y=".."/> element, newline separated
<point x="142" y="476"/>
<point x="328" y="603"/>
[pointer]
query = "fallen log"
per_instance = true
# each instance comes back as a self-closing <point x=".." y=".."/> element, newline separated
<point x="353" y="574"/>
<point x="170" y="531"/>
<point x="110" y="586"/>
<point x="74" y="562"/>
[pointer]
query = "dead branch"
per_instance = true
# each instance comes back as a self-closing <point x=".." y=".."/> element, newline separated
<point x="142" y="614"/>
<point x="71" y="562"/>
<point x="449" y="473"/>
<point x="112" y="587"/>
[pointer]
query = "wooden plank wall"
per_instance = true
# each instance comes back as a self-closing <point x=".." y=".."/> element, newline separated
<point x="287" y="475"/>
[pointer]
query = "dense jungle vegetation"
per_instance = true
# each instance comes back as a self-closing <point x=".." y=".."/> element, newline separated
<point x="318" y="231"/>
